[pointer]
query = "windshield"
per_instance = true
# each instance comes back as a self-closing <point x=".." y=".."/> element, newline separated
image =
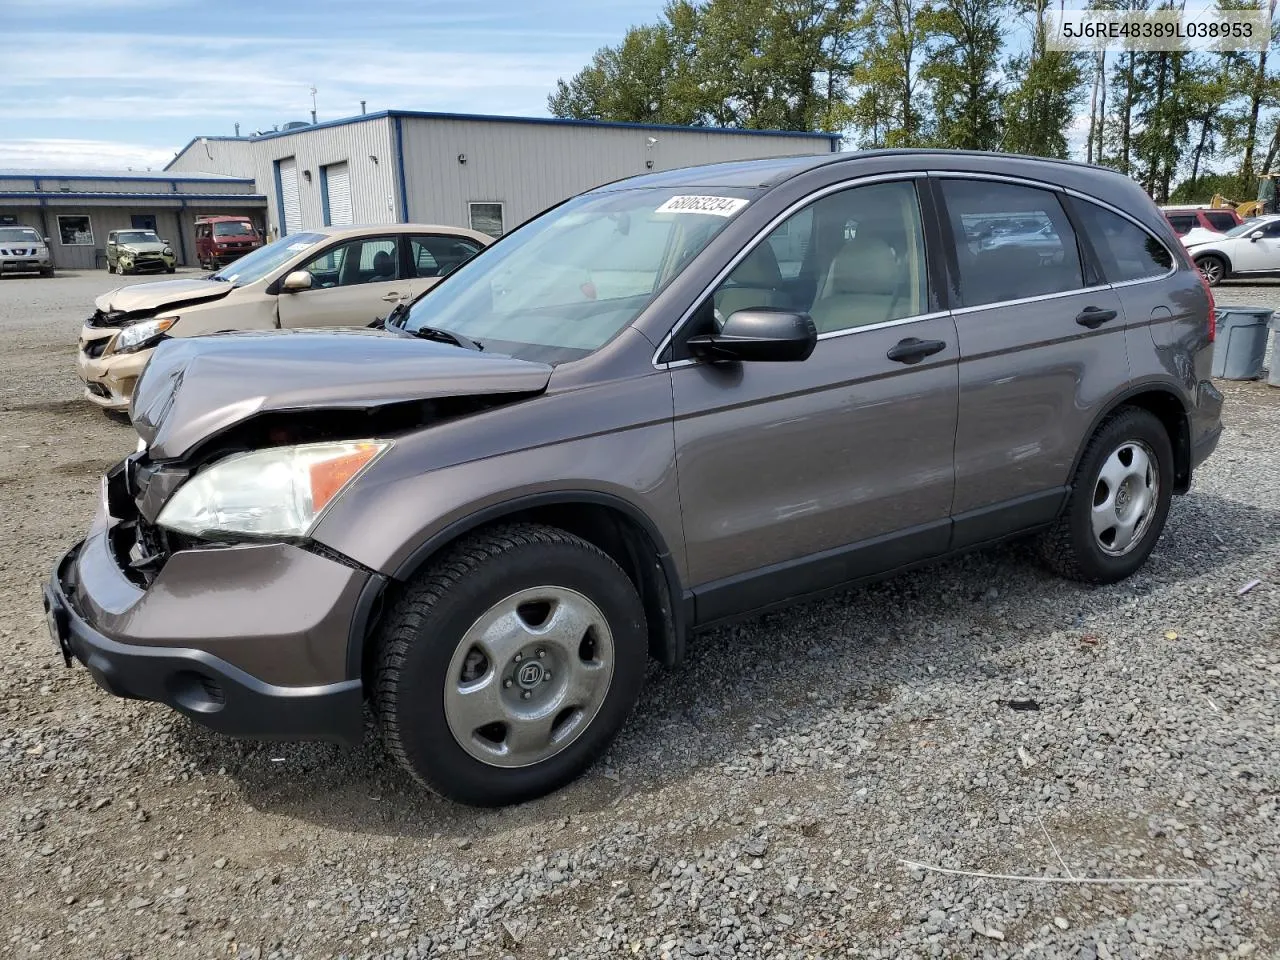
<point x="564" y="284"/>
<point x="19" y="235"/>
<point x="252" y="267"/>
<point x="137" y="236"/>
<point x="233" y="229"/>
<point x="1247" y="227"/>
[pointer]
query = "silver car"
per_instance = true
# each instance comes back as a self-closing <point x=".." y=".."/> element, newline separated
<point x="23" y="250"/>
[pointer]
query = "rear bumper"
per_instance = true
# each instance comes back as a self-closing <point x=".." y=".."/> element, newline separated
<point x="1206" y="422"/>
<point x="175" y="641"/>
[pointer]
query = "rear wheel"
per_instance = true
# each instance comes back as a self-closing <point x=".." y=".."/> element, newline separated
<point x="509" y="665"/>
<point x="1213" y="269"/>
<point x="1118" y="504"/>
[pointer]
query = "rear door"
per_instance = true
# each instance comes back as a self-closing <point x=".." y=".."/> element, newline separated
<point x="353" y="283"/>
<point x="1042" y="347"/>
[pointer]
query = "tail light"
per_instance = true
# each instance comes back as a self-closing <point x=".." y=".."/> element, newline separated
<point x="1213" y="310"/>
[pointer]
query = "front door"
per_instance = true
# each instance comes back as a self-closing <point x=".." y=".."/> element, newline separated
<point x="143" y="221"/>
<point x="818" y="472"/>
<point x="1042" y="347"/>
<point x="353" y="283"/>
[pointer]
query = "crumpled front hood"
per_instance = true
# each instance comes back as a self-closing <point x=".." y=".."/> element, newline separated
<point x="148" y="247"/>
<point x="162" y="293"/>
<point x="196" y="387"/>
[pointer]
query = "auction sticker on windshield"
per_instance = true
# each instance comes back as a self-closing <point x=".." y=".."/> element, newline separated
<point x="715" y="206"/>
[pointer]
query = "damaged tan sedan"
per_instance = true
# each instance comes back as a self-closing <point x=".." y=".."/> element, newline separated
<point x="329" y="277"/>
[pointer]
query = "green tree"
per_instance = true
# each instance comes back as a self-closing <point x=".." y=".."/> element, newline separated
<point x="780" y="64"/>
<point x="962" y="71"/>
<point x="1045" y="86"/>
<point x="887" y="108"/>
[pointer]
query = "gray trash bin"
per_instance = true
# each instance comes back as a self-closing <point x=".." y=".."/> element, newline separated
<point x="1273" y="377"/>
<point x="1241" y="342"/>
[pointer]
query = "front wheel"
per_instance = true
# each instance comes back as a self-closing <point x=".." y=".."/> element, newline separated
<point x="1118" y="504"/>
<point x="509" y="665"/>
<point x="1213" y="269"/>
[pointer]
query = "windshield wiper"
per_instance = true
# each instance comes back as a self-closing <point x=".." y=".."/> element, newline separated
<point x="214" y="276"/>
<point x="440" y="335"/>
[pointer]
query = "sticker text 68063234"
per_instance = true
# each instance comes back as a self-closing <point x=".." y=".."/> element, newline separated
<point x="715" y="206"/>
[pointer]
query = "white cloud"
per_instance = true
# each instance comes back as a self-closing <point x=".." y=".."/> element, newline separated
<point x="51" y="154"/>
<point x="258" y="80"/>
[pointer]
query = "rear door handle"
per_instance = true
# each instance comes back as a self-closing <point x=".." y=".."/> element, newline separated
<point x="1094" y="317"/>
<point x="913" y="349"/>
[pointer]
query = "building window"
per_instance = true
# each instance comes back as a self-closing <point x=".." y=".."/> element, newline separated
<point x="75" y="231"/>
<point x="486" y="217"/>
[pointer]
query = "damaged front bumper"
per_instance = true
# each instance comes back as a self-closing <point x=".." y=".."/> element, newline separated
<point x="109" y="378"/>
<point x="249" y="640"/>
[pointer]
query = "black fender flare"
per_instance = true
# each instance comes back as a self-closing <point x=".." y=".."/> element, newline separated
<point x="369" y="601"/>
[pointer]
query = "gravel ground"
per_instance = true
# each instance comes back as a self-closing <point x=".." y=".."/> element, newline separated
<point x="978" y="716"/>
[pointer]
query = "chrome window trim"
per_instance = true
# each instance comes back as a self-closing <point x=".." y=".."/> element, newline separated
<point x="760" y="238"/>
<point x="900" y="321"/>
<point x="1071" y="192"/>
<point x="1075" y="291"/>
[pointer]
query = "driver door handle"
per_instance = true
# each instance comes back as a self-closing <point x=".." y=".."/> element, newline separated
<point x="913" y="349"/>
<point x="394" y="297"/>
<point x="1094" y="317"/>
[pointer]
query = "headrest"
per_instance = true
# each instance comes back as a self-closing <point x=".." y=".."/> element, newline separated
<point x="864" y="265"/>
<point x="759" y="269"/>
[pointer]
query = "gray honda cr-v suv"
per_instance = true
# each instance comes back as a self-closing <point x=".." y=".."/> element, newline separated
<point x="666" y="403"/>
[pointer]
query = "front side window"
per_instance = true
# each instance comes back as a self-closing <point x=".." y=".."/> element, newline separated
<point x="860" y="260"/>
<point x="1125" y="250"/>
<point x="438" y="256"/>
<point x="370" y="260"/>
<point x="568" y="281"/>
<point x="1011" y="241"/>
<point x="75" y="231"/>
<point x="486" y="218"/>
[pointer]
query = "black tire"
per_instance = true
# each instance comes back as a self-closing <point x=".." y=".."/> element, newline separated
<point x="47" y="272"/>
<point x="1069" y="547"/>
<point x="421" y="632"/>
<point x="1213" y="268"/>
<point x="170" y="269"/>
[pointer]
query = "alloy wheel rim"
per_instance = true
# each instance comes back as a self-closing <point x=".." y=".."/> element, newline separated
<point x="1211" y="270"/>
<point x="1126" y="494"/>
<point x="529" y="676"/>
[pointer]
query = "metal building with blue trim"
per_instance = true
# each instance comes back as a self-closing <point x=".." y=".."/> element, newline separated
<point x="486" y="172"/>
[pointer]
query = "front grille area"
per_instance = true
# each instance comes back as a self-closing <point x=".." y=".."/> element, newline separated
<point x="98" y="390"/>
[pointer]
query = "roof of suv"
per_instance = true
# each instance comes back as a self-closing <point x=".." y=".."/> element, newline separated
<point x="369" y="229"/>
<point x="770" y="172"/>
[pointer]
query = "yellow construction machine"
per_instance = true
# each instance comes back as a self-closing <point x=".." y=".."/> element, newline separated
<point x="1265" y="203"/>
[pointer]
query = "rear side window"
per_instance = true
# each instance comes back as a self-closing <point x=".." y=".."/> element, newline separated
<point x="1125" y="251"/>
<point x="1012" y="242"/>
<point x="1220" y="220"/>
<point x="1183" y="222"/>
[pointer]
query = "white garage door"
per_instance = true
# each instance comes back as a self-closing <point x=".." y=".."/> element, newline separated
<point x="288" y="169"/>
<point x="339" y="181"/>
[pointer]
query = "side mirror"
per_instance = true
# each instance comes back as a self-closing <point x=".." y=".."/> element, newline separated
<point x="47" y="241"/>
<point x="297" y="281"/>
<point x="1255" y="236"/>
<point x="758" y="334"/>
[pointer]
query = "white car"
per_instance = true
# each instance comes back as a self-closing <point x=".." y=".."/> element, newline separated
<point x="1199" y="235"/>
<point x="1249" y="250"/>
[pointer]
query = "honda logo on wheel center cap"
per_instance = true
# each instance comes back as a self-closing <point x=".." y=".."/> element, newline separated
<point x="529" y="675"/>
